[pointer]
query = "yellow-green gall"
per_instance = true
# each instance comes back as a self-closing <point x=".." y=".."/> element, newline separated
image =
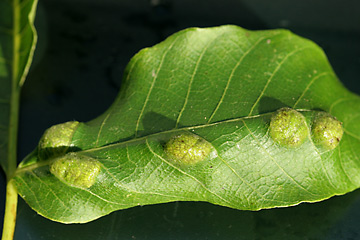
<point x="187" y="148"/>
<point x="57" y="139"/>
<point x="327" y="131"/>
<point x="288" y="127"/>
<point x="76" y="170"/>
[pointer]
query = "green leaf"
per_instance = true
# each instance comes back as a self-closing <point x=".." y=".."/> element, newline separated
<point x="17" y="44"/>
<point x="212" y="92"/>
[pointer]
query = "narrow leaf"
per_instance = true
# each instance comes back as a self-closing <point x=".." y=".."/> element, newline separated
<point x="17" y="44"/>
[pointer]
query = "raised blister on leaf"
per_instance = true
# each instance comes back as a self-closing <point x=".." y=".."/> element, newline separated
<point x="327" y="131"/>
<point x="288" y="127"/>
<point x="57" y="139"/>
<point x="76" y="169"/>
<point x="188" y="148"/>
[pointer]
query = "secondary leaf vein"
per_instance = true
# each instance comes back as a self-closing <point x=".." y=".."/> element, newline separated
<point x="272" y="76"/>
<point x="308" y="86"/>
<point x="192" y="79"/>
<point x="231" y="77"/>
<point x="152" y="85"/>
<point x="276" y="163"/>
<point x="187" y="174"/>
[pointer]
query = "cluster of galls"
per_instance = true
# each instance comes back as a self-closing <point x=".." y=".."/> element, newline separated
<point x="289" y="128"/>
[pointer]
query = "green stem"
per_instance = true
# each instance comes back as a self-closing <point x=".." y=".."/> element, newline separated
<point x="10" y="212"/>
<point x="11" y="193"/>
<point x="18" y="75"/>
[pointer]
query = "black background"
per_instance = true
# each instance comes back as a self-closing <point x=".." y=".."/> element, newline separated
<point x="83" y="48"/>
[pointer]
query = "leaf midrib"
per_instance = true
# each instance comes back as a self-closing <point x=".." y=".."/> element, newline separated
<point x="143" y="138"/>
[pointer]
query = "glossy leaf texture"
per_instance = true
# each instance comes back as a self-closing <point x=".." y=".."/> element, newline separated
<point x="222" y="85"/>
<point x="17" y="44"/>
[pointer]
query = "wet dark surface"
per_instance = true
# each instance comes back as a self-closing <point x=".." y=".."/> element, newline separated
<point x="83" y="49"/>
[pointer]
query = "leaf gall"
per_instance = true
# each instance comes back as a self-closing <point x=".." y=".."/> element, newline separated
<point x="327" y="131"/>
<point x="57" y="139"/>
<point x="187" y="148"/>
<point x="76" y="170"/>
<point x="288" y="127"/>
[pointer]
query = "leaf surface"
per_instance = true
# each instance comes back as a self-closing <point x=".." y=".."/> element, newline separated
<point x="222" y="84"/>
<point x="17" y="44"/>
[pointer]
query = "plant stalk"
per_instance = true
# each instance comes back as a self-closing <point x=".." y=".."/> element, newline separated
<point x="17" y="80"/>
<point x="10" y="212"/>
<point x="11" y="193"/>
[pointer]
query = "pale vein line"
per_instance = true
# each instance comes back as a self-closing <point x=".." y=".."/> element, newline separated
<point x="135" y="166"/>
<point x="231" y="76"/>
<point x="191" y="81"/>
<point x="342" y="167"/>
<point x="271" y="77"/>
<point x="103" y="199"/>
<point x="160" y="194"/>
<point x="339" y="101"/>
<point x="132" y="190"/>
<point x="175" y="130"/>
<point x="50" y="189"/>
<point x="277" y="164"/>
<point x="185" y="173"/>
<point x="248" y="184"/>
<point x="10" y="31"/>
<point x="86" y="190"/>
<point x="228" y="164"/>
<point x="319" y="154"/>
<point x="152" y="86"/>
<point x="308" y="86"/>
<point x="321" y="161"/>
<point x="351" y="134"/>
<point x="112" y="109"/>
<point x="32" y="192"/>
<point x="352" y="149"/>
<point x="350" y="119"/>
<point x="101" y="127"/>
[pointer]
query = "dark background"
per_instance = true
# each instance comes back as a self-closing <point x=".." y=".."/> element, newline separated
<point x="83" y="48"/>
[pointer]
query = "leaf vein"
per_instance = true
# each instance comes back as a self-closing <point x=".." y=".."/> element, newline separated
<point x="112" y="109"/>
<point x="32" y="192"/>
<point x="337" y="102"/>
<point x="152" y="86"/>
<point x="132" y="190"/>
<point x="50" y="190"/>
<point x="174" y="130"/>
<point x="308" y="86"/>
<point x="276" y="163"/>
<point x="231" y="76"/>
<point x="341" y="165"/>
<point x="242" y="179"/>
<point x="272" y="76"/>
<point x="187" y="174"/>
<point x="192" y="79"/>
